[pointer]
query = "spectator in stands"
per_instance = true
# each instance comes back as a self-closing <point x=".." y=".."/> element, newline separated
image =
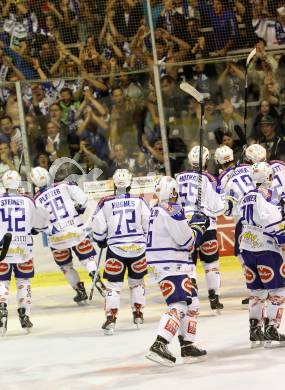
<point x="121" y="160"/>
<point x="127" y="18"/>
<point x="236" y="145"/>
<point x="68" y="106"/>
<point x="50" y="28"/>
<point x="262" y="64"/>
<point x="88" y="160"/>
<point x="10" y="132"/>
<point x="232" y="122"/>
<point x="123" y="121"/>
<point x="42" y="160"/>
<point x="171" y="20"/>
<point x="173" y="98"/>
<point x="274" y="144"/>
<point x="188" y="9"/>
<point x="67" y="21"/>
<point x="40" y="100"/>
<point x="280" y="26"/>
<point x="47" y="57"/>
<point x="263" y="22"/>
<point x="8" y="157"/>
<point x="225" y="27"/>
<point x="56" y="144"/>
<point x="270" y="90"/>
<point x="231" y="82"/>
<point x="265" y="109"/>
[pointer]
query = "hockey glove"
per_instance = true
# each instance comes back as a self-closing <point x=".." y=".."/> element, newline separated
<point x="102" y="244"/>
<point x="199" y="223"/>
<point x="34" y="232"/>
<point x="79" y="209"/>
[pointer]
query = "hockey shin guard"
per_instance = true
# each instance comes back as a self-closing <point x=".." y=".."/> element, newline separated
<point x="212" y="274"/>
<point x="170" y="321"/>
<point x="275" y="303"/>
<point x="24" y="295"/>
<point x="112" y="299"/>
<point x="137" y="293"/>
<point x="189" y="321"/>
<point x="71" y="274"/>
<point x="256" y="304"/>
<point x="4" y="291"/>
<point x="89" y="264"/>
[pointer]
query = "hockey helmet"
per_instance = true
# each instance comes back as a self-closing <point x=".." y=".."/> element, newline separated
<point x="193" y="156"/>
<point x="11" y="180"/>
<point x="224" y="154"/>
<point x="262" y="174"/>
<point x="40" y="176"/>
<point x="255" y="153"/>
<point x="166" y="188"/>
<point x="122" y="178"/>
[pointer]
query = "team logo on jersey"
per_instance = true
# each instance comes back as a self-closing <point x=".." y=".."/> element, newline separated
<point x="167" y="288"/>
<point x="210" y="247"/>
<point x="187" y="285"/>
<point x="282" y="270"/>
<point x="266" y="273"/>
<point x="139" y="265"/>
<point x="26" y="267"/>
<point x="249" y="275"/>
<point x="114" y="266"/>
<point x="61" y="256"/>
<point x="85" y="247"/>
<point x="4" y="268"/>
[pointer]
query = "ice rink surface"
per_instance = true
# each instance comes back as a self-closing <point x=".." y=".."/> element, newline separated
<point x="67" y="349"/>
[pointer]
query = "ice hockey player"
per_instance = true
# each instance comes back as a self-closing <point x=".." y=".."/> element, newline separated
<point x="261" y="241"/>
<point x="66" y="202"/>
<point x="170" y="239"/>
<point x="120" y="222"/>
<point x="18" y="215"/>
<point x="212" y="205"/>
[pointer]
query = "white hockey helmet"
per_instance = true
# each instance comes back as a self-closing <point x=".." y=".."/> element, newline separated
<point x="255" y="153"/>
<point x="122" y="178"/>
<point x="11" y="180"/>
<point x="262" y="174"/>
<point x="40" y="176"/>
<point x="166" y="188"/>
<point x="224" y="154"/>
<point x="193" y="156"/>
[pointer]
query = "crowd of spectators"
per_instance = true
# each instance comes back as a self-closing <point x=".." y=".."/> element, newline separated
<point x="88" y="93"/>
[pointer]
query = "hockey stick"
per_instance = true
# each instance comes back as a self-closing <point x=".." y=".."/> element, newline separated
<point x="248" y="61"/>
<point x="187" y="88"/>
<point x="5" y="246"/>
<point x="95" y="275"/>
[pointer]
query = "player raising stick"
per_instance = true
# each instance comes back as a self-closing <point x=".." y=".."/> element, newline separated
<point x="212" y="205"/>
<point x="121" y="222"/>
<point x="66" y="202"/>
<point x="170" y="238"/>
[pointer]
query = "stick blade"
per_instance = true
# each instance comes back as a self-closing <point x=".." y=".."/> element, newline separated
<point x="250" y="56"/>
<point x="5" y="245"/>
<point x="186" y="87"/>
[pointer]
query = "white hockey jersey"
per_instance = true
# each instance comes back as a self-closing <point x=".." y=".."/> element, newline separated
<point x="261" y="222"/>
<point x="236" y="181"/>
<point x="278" y="184"/>
<point x="123" y="221"/>
<point x="169" y="240"/>
<point x="65" y="226"/>
<point x="212" y="202"/>
<point x="18" y="216"/>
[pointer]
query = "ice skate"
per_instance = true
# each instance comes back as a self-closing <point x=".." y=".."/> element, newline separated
<point x="160" y="354"/>
<point x="109" y="325"/>
<point x="3" y="318"/>
<point x="190" y="352"/>
<point x="256" y="335"/>
<point x="99" y="284"/>
<point x="272" y="338"/>
<point x="214" y="302"/>
<point x="138" y="315"/>
<point x="24" y="320"/>
<point x="81" y="296"/>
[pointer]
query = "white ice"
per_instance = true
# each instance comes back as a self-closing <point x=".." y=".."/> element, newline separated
<point x="67" y="349"/>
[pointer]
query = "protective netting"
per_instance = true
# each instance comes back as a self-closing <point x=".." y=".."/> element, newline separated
<point x="87" y="85"/>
